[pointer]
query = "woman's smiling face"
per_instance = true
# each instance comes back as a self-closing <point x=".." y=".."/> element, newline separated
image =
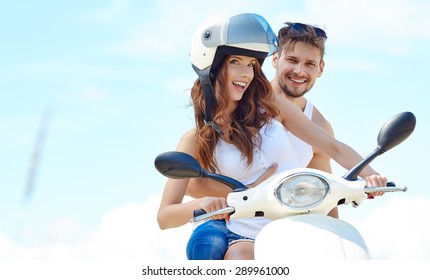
<point x="240" y="72"/>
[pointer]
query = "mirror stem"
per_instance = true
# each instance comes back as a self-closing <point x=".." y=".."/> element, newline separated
<point x="352" y="174"/>
<point x="230" y="182"/>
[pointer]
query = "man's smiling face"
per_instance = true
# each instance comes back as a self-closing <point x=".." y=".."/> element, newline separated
<point x="297" y="68"/>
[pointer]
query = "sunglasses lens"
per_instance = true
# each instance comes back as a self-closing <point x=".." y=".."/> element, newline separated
<point x="300" y="27"/>
<point x="320" y="32"/>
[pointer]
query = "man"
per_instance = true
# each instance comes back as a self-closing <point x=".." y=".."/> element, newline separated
<point x="298" y="63"/>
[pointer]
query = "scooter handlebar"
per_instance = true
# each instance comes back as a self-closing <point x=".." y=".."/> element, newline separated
<point x="200" y="215"/>
<point x="391" y="187"/>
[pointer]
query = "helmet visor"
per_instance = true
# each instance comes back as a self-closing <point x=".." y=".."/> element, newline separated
<point x="251" y="31"/>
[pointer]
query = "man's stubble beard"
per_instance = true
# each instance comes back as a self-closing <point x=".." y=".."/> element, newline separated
<point x="288" y="92"/>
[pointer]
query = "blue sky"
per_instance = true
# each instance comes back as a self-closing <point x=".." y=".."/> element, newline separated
<point x="108" y="81"/>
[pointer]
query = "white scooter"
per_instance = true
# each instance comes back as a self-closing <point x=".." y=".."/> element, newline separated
<point x="298" y="200"/>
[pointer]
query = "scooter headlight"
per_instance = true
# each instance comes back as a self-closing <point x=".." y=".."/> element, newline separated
<point x="303" y="190"/>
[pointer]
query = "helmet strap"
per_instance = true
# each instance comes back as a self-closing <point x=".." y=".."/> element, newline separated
<point x="208" y="91"/>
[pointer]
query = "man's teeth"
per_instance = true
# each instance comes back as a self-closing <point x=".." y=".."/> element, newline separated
<point x="242" y="84"/>
<point x="297" y="81"/>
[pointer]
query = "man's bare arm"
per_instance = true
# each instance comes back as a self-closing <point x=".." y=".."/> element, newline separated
<point x="321" y="160"/>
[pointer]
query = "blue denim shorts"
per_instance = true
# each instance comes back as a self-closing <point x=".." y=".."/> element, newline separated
<point x="210" y="241"/>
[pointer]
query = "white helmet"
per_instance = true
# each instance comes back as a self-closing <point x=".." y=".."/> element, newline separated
<point x="228" y="34"/>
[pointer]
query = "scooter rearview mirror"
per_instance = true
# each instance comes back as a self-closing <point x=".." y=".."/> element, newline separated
<point x="179" y="165"/>
<point x="393" y="132"/>
<point x="396" y="130"/>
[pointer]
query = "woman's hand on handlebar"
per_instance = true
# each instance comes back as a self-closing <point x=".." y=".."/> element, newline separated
<point x="210" y="204"/>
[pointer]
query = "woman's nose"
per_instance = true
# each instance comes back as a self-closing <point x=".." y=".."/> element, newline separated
<point x="247" y="71"/>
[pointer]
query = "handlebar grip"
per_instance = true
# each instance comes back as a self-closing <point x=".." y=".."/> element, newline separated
<point x="198" y="212"/>
<point x="391" y="184"/>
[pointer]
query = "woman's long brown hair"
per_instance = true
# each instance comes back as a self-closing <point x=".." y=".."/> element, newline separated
<point x="254" y="110"/>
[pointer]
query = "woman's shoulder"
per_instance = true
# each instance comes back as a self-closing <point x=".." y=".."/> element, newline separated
<point x="188" y="142"/>
<point x="189" y="135"/>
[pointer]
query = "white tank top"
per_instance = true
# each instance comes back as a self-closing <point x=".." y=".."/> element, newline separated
<point x="303" y="150"/>
<point x="276" y="147"/>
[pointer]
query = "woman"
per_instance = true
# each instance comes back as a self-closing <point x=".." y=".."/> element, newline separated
<point x="239" y="132"/>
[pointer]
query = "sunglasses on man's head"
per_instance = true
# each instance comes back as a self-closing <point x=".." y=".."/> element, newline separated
<point x="300" y="27"/>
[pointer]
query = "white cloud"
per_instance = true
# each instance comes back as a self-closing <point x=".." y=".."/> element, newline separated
<point x="398" y="229"/>
<point x="127" y="232"/>
<point x="131" y="232"/>
<point x="63" y="231"/>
